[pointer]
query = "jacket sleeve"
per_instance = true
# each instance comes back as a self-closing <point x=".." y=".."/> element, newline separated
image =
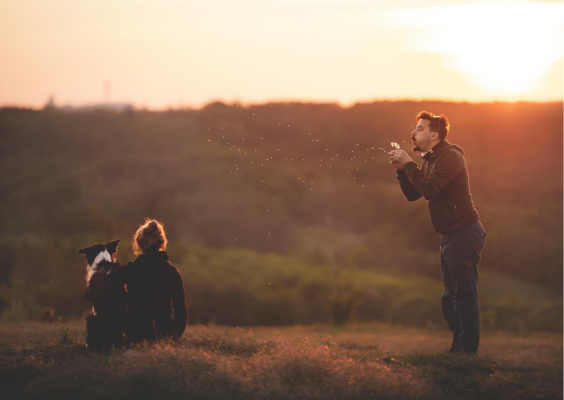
<point x="101" y="292"/>
<point x="446" y="169"/>
<point x="406" y="187"/>
<point x="179" y="302"/>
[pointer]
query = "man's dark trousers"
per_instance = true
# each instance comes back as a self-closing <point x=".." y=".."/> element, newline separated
<point x="460" y="258"/>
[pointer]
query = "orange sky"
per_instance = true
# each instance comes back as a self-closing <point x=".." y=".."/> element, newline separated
<point x="170" y="53"/>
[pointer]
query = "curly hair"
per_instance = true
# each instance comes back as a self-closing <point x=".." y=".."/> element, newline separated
<point x="439" y="124"/>
<point x="149" y="237"/>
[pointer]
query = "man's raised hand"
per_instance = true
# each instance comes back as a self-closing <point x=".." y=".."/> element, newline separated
<point x="398" y="159"/>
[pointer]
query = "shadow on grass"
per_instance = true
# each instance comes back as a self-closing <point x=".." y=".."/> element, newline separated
<point x="470" y="376"/>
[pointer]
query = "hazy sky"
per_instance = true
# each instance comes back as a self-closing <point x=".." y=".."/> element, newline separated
<point x="165" y="53"/>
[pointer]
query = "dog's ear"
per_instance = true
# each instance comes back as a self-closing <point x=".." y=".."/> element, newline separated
<point x="112" y="246"/>
<point x="83" y="250"/>
<point x="90" y="252"/>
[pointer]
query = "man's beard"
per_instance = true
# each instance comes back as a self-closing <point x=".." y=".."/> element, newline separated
<point x="416" y="148"/>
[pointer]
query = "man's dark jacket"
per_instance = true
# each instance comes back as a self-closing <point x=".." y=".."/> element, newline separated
<point x="154" y="286"/>
<point x="443" y="181"/>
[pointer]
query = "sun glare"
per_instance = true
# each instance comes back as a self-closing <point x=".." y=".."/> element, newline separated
<point x="506" y="46"/>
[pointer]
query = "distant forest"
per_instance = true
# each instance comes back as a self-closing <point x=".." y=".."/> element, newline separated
<point x="305" y="181"/>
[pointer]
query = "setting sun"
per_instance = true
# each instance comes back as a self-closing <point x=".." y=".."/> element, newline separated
<point x="506" y="47"/>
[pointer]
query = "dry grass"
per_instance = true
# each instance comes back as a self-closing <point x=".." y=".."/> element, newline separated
<point x="358" y="362"/>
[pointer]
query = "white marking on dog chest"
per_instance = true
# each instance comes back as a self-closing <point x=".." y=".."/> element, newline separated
<point x="92" y="268"/>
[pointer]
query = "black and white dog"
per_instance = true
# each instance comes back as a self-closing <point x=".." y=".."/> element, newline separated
<point x="105" y="328"/>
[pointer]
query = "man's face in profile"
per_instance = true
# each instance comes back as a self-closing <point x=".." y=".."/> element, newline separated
<point x="421" y="136"/>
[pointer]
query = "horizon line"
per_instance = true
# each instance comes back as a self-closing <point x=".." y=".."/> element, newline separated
<point x="249" y="104"/>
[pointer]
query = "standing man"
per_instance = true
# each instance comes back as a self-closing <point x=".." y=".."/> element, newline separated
<point x="443" y="182"/>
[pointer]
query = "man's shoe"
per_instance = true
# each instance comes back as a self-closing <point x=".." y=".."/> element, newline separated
<point x="460" y="351"/>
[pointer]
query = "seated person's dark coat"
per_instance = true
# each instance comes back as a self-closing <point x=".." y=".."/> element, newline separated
<point x="154" y="287"/>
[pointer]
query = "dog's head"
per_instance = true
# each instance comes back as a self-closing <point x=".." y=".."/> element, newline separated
<point x="100" y="251"/>
<point x="100" y="255"/>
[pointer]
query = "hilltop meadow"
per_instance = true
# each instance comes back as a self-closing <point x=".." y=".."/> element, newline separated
<point x="308" y="274"/>
<point x="361" y="361"/>
<point x="282" y="213"/>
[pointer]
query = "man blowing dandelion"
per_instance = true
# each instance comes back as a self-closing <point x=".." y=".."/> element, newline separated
<point x="443" y="182"/>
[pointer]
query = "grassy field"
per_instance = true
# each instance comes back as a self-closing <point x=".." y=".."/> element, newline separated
<point x="368" y="361"/>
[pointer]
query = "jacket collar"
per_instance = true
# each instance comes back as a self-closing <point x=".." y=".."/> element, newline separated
<point x="152" y="256"/>
<point x="438" y="147"/>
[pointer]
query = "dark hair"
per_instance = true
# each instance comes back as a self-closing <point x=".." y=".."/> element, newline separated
<point x="439" y="124"/>
<point x="149" y="237"/>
